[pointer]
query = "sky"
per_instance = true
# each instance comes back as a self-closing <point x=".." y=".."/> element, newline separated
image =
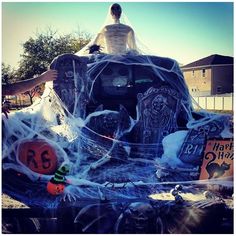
<point x="184" y="31"/>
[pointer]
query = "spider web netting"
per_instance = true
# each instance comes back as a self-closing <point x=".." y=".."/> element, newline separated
<point x="123" y="43"/>
<point x="113" y="151"/>
<point x="119" y="121"/>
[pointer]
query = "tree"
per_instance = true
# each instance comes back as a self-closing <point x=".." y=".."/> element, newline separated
<point x="38" y="53"/>
<point x="34" y="92"/>
<point x="8" y="74"/>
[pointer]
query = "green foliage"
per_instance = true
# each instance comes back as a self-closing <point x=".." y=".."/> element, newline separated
<point x="8" y="74"/>
<point x="41" y="50"/>
<point x="38" y="53"/>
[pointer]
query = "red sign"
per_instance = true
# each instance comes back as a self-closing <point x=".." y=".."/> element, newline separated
<point x="218" y="159"/>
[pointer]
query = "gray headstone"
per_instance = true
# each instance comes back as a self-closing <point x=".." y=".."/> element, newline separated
<point x="158" y="110"/>
<point x="71" y="84"/>
<point x="195" y="141"/>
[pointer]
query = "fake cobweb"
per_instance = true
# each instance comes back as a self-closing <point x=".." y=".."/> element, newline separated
<point x="118" y="120"/>
<point x="112" y="153"/>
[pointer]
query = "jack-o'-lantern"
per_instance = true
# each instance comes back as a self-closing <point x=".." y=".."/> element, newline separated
<point x="39" y="156"/>
<point x="55" y="189"/>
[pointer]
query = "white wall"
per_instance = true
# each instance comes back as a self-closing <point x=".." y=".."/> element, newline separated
<point x="223" y="102"/>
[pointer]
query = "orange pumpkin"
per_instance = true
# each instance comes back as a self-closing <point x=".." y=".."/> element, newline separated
<point x="55" y="189"/>
<point x="39" y="156"/>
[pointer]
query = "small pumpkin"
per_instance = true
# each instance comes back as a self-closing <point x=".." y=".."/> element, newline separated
<point x="39" y="156"/>
<point x="55" y="189"/>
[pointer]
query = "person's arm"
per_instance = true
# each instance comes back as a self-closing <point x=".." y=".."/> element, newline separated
<point x="26" y="85"/>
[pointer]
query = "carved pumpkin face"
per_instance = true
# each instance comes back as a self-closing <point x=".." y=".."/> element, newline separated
<point x="55" y="189"/>
<point x="39" y="156"/>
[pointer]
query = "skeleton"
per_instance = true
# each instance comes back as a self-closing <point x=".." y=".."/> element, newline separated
<point x="117" y="38"/>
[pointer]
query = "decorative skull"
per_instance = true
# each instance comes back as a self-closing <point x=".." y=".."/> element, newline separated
<point x="158" y="103"/>
<point x="138" y="218"/>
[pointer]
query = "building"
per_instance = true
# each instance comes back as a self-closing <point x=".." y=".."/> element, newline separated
<point x="211" y="75"/>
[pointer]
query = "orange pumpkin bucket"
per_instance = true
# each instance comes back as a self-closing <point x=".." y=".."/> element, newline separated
<point x="39" y="156"/>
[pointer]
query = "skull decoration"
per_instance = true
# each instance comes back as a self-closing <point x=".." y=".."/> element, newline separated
<point x="137" y="218"/>
<point x="159" y="103"/>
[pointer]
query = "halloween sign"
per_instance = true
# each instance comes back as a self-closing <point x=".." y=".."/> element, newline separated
<point x="218" y="159"/>
<point x="39" y="156"/>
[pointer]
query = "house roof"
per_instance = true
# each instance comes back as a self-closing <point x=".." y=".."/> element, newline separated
<point x="211" y="60"/>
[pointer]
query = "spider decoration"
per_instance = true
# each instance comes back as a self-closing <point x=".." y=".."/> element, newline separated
<point x="94" y="48"/>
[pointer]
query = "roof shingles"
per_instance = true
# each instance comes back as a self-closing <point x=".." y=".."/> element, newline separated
<point x="211" y="60"/>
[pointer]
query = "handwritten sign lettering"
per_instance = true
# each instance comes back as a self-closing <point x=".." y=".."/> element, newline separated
<point x="218" y="159"/>
<point x="39" y="156"/>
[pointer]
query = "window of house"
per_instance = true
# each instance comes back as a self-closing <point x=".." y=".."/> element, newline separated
<point x="203" y="72"/>
<point x="219" y="89"/>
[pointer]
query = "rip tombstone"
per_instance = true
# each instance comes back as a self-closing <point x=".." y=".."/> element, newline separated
<point x="193" y="147"/>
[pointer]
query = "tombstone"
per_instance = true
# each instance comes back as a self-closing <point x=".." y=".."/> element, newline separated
<point x="109" y="123"/>
<point x="102" y="130"/>
<point x="71" y="84"/>
<point x="193" y="147"/>
<point x="158" y="110"/>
